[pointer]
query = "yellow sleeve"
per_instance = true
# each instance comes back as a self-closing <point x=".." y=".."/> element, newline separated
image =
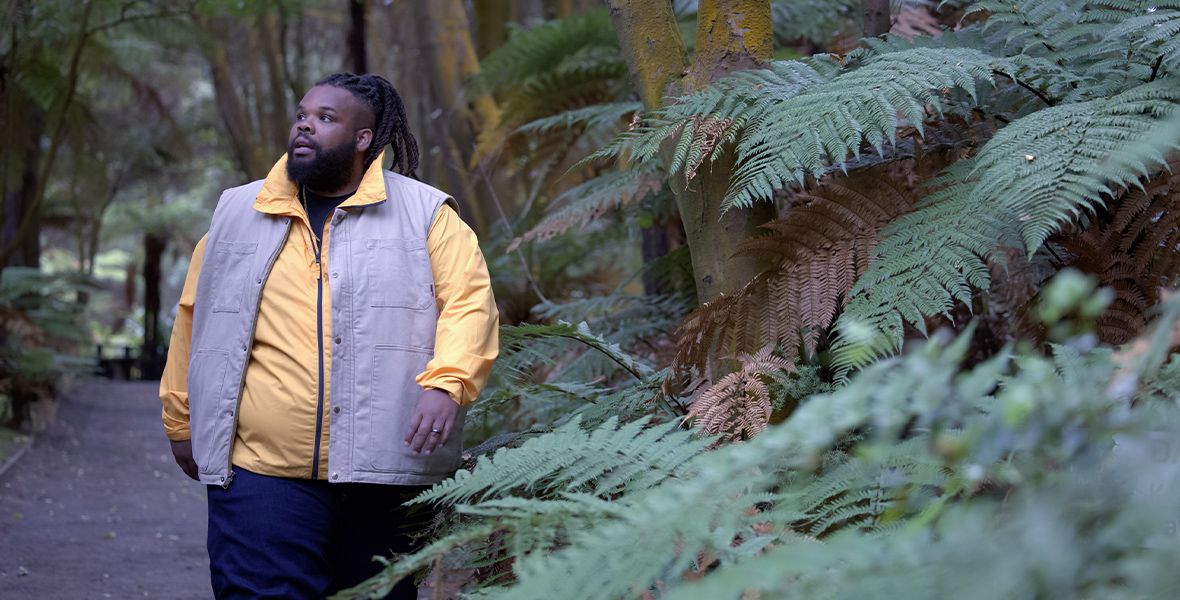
<point x="174" y="382"/>
<point x="467" y="338"/>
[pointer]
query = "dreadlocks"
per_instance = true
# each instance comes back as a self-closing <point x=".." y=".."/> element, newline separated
<point x="391" y="128"/>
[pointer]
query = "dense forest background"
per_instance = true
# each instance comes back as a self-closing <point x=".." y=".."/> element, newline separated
<point x="800" y="298"/>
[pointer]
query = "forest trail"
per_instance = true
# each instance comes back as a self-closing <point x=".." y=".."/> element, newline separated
<point x="97" y="508"/>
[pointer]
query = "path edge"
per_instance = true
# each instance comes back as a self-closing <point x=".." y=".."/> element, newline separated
<point x="11" y="460"/>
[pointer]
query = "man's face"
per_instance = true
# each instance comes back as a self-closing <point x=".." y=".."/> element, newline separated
<point x="327" y="140"/>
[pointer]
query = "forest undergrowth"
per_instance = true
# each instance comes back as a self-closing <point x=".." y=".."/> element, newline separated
<point x="953" y="377"/>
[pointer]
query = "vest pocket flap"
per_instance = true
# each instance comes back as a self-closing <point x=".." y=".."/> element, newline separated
<point x="396" y="244"/>
<point x="398" y="274"/>
<point x="237" y="247"/>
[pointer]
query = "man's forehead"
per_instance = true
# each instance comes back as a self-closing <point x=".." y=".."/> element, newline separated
<point x="332" y="98"/>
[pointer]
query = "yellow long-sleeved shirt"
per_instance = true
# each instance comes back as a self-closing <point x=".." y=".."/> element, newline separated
<point x="277" y="417"/>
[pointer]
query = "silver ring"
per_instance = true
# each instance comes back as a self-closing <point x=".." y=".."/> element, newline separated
<point x="435" y="431"/>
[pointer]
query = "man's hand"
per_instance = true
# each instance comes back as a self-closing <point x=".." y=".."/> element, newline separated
<point x="183" y="453"/>
<point x="431" y="425"/>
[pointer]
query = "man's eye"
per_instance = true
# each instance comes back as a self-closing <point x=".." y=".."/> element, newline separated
<point x="325" y="118"/>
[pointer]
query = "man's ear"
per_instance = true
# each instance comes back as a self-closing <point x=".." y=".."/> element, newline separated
<point x="364" y="137"/>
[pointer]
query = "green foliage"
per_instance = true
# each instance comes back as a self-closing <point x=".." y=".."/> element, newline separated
<point x="974" y="481"/>
<point x="797" y="118"/>
<point x="1050" y="110"/>
<point x="812" y="20"/>
<point x="605" y="461"/>
<point x="547" y="48"/>
<point x="39" y="329"/>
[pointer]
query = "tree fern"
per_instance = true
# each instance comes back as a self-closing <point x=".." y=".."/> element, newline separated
<point x="570" y="459"/>
<point x="598" y="116"/>
<point x="1158" y="34"/>
<point x="819" y="247"/>
<point x="794" y="119"/>
<point x="1129" y="248"/>
<point x="543" y="49"/>
<point x="1034" y="176"/>
<point x="593" y="199"/>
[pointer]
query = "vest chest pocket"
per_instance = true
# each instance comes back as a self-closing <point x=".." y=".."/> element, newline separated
<point x="232" y="274"/>
<point x="398" y="274"/>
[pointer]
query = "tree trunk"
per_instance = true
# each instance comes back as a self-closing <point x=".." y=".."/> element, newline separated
<point x="491" y="24"/>
<point x="558" y="9"/>
<point x="28" y="224"/>
<point x="277" y="88"/>
<point x="356" y="37"/>
<point x="447" y="49"/>
<point x="19" y="201"/>
<point x="150" y="357"/>
<point x="731" y="35"/>
<point x="877" y="18"/>
<point x="655" y="54"/>
<point x="238" y="125"/>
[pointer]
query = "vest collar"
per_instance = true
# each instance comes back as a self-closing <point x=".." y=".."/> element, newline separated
<point x="279" y="195"/>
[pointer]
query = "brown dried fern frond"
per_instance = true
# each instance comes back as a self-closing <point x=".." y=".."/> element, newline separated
<point x="707" y="131"/>
<point x="818" y="248"/>
<point x="738" y="406"/>
<point x="1135" y="251"/>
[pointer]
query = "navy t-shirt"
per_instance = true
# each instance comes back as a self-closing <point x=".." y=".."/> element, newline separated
<point x="319" y="208"/>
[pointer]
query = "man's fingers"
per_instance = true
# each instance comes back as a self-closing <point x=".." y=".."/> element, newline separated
<point x="415" y="421"/>
<point x="433" y="439"/>
<point x="190" y="469"/>
<point x="420" y="438"/>
<point x="446" y="432"/>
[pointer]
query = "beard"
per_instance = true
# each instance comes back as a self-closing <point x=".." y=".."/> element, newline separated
<point x="325" y="170"/>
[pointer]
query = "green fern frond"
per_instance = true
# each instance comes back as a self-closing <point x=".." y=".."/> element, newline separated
<point x="544" y="48"/>
<point x="575" y="87"/>
<point x="599" y="116"/>
<point x="593" y="199"/>
<point x="1050" y="167"/>
<point x="795" y="119"/>
<point x="606" y="460"/>
<point x="1035" y="175"/>
<point x="813" y="20"/>
<point x="513" y="338"/>
<point x="1160" y="34"/>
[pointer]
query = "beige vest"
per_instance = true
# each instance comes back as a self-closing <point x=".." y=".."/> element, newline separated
<point x="383" y="320"/>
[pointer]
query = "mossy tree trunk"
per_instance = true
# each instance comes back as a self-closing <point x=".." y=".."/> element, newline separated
<point x="731" y="35"/>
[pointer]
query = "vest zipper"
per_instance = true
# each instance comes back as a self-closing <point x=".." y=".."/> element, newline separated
<point x="319" y="327"/>
<point x="233" y="432"/>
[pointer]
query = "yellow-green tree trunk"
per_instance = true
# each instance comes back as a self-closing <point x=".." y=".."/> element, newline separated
<point x="731" y="35"/>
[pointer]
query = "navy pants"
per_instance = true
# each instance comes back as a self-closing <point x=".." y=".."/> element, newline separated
<point x="271" y="537"/>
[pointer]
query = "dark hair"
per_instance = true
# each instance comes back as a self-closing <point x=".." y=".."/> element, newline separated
<point x="391" y="128"/>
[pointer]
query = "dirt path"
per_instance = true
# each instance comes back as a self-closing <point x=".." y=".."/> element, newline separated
<point x="98" y="509"/>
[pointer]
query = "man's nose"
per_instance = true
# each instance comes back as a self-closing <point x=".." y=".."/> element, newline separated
<point x="303" y="127"/>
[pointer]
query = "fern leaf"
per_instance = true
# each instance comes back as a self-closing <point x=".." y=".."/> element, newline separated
<point x="631" y="456"/>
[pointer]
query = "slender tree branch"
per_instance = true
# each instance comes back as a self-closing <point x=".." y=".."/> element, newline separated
<point x="504" y="217"/>
<point x="124" y="20"/>
<point x="1047" y="100"/>
<point x="1155" y="69"/>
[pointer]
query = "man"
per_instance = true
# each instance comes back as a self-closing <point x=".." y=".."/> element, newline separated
<point x="335" y="321"/>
